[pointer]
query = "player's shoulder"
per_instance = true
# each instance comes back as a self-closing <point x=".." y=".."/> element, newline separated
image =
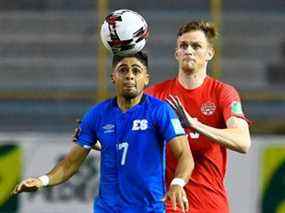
<point x="159" y="87"/>
<point x="154" y="102"/>
<point x="156" y="107"/>
<point x="103" y="105"/>
<point x="219" y="85"/>
<point x="151" y="100"/>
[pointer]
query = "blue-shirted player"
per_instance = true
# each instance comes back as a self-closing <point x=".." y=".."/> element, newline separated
<point x="133" y="129"/>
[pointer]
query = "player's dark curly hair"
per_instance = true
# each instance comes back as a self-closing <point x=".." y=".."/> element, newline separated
<point x="141" y="56"/>
<point x="207" y="27"/>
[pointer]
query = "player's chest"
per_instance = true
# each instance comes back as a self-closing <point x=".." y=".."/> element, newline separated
<point x="125" y="127"/>
<point x="203" y="106"/>
<point x="206" y="110"/>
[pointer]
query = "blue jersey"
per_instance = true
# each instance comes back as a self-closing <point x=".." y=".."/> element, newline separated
<point x="133" y="153"/>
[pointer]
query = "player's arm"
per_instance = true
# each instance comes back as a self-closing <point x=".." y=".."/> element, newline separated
<point x="170" y="128"/>
<point x="185" y="164"/>
<point x="75" y="137"/>
<point x="235" y="137"/>
<point x="180" y="149"/>
<point x="97" y="145"/>
<point x="59" y="174"/>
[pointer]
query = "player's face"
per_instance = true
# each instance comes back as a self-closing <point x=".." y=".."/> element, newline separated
<point x="130" y="76"/>
<point x="193" y="51"/>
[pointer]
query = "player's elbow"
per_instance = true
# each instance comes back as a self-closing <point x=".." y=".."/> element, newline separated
<point x="243" y="141"/>
<point x="244" y="148"/>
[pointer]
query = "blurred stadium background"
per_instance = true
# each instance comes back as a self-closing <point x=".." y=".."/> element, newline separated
<point x="53" y="68"/>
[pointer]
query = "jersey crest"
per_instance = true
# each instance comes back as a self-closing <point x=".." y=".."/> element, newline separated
<point x="208" y="108"/>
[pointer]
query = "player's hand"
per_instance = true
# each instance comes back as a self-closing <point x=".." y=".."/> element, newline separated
<point x="75" y="136"/>
<point x="186" y="120"/>
<point x="178" y="197"/>
<point x="28" y="185"/>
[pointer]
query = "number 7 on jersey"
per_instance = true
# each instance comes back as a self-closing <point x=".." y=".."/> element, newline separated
<point x="123" y="146"/>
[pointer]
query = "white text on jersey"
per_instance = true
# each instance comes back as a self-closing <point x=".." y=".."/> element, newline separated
<point x="140" y="125"/>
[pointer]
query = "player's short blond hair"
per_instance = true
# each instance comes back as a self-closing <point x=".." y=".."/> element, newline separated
<point x="207" y="27"/>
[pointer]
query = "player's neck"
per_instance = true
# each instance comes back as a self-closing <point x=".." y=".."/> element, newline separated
<point x="191" y="80"/>
<point x="125" y="104"/>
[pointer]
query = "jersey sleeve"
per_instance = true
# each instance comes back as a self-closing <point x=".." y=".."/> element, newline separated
<point x="168" y="123"/>
<point x="231" y="103"/>
<point x="87" y="131"/>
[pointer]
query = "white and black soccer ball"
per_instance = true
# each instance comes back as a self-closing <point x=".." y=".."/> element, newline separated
<point x="124" y="32"/>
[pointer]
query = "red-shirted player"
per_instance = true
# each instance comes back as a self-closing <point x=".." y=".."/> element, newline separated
<point x="214" y="119"/>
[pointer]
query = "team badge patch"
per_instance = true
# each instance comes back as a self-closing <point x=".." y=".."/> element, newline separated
<point x="236" y="108"/>
<point x="178" y="129"/>
<point x="208" y="108"/>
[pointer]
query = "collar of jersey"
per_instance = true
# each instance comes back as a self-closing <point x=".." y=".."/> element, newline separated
<point x="142" y="101"/>
<point x="182" y="88"/>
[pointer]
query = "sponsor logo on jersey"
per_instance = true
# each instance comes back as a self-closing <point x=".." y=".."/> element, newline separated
<point x="140" y="125"/>
<point x="109" y="128"/>
<point x="177" y="126"/>
<point x="236" y="108"/>
<point x="208" y="108"/>
<point x="194" y="135"/>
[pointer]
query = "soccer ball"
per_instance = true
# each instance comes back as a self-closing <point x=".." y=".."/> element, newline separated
<point x="124" y="32"/>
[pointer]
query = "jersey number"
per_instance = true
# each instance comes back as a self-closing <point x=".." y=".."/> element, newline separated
<point x="124" y="146"/>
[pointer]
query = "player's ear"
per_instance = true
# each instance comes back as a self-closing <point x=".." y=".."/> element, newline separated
<point x="211" y="53"/>
<point x="147" y="77"/>
<point x="112" y="78"/>
<point x="176" y="53"/>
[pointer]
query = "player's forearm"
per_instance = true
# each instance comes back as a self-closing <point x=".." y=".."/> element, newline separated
<point x="185" y="166"/>
<point x="236" y="139"/>
<point x="62" y="172"/>
<point x="68" y="166"/>
<point x="180" y="149"/>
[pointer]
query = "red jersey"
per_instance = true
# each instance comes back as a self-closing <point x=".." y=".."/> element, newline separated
<point x="212" y="104"/>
